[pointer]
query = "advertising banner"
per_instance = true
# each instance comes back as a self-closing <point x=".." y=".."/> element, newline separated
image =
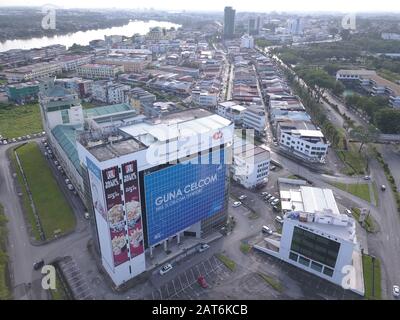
<point x="133" y="208"/>
<point x="182" y="195"/>
<point x="96" y="188"/>
<point x="115" y="215"/>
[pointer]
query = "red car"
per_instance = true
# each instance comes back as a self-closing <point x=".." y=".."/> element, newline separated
<point x="202" y="282"/>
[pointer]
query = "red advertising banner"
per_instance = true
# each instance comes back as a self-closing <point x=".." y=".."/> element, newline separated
<point x="133" y="208"/>
<point x="115" y="215"/>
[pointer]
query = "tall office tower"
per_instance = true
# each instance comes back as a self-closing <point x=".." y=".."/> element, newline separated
<point x="229" y="22"/>
<point x="252" y="26"/>
<point x="258" y="25"/>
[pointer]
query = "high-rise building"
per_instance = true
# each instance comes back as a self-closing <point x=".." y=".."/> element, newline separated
<point x="258" y="25"/>
<point x="229" y="22"/>
<point x="252" y="26"/>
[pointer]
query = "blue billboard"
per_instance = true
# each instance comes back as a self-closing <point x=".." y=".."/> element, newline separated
<point x="184" y="194"/>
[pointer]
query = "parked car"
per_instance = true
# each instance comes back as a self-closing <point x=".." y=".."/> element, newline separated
<point x="348" y="212"/>
<point x="165" y="269"/>
<point x="203" y="247"/>
<point x="267" y="230"/>
<point x="70" y="187"/>
<point x="272" y="200"/>
<point x="202" y="282"/>
<point x="383" y="188"/>
<point x="396" y="291"/>
<point x="38" y="265"/>
<point x="264" y="194"/>
<point x="242" y="197"/>
<point x="273" y="168"/>
<point x="275" y="202"/>
<point x="276" y="208"/>
<point x="59" y="168"/>
<point x="367" y="178"/>
<point x="56" y="163"/>
<point x="279" y="219"/>
<point x="67" y="181"/>
<point x="269" y="196"/>
<point x="87" y="215"/>
<point x="237" y="204"/>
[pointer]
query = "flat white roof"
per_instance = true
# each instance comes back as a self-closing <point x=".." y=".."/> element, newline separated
<point x="309" y="133"/>
<point x="175" y="128"/>
<point x="318" y="200"/>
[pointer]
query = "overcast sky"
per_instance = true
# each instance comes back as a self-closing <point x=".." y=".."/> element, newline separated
<point x="218" y="5"/>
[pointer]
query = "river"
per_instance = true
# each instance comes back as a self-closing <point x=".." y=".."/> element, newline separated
<point x="83" y="37"/>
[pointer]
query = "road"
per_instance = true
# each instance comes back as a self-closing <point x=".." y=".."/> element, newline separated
<point x="20" y="250"/>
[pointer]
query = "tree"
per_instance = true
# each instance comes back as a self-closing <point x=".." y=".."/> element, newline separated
<point x="364" y="135"/>
<point x="388" y="121"/>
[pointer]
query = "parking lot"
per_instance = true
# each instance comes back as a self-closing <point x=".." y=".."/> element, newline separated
<point x="186" y="287"/>
<point x="75" y="279"/>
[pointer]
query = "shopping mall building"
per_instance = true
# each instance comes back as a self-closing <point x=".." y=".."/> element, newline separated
<point x="147" y="182"/>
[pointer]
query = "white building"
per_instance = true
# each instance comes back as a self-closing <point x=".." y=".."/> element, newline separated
<point x="303" y="140"/>
<point x="70" y="63"/>
<point x="254" y="117"/>
<point x="35" y="71"/>
<point x="250" y="165"/>
<point x="247" y="42"/>
<point x="143" y="200"/>
<point x="231" y="111"/>
<point x="204" y="98"/>
<point x="99" y="71"/>
<point x="110" y="92"/>
<point x="316" y="237"/>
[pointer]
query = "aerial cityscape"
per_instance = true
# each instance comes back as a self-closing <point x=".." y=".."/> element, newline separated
<point x="214" y="152"/>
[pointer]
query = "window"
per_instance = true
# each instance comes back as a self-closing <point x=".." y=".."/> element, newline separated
<point x="304" y="261"/>
<point x="328" y="272"/>
<point x="315" y="247"/>
<point x="316" y="266"/>
<point x="293" y="256"/>
<point x="65" y="116"/>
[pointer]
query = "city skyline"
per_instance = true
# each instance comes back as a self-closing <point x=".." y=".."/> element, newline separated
<point x="216" y="6"/>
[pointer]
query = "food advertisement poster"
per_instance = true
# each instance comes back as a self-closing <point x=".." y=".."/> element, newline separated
<point x="133" y="208"/>
<point x="115" y="215"/>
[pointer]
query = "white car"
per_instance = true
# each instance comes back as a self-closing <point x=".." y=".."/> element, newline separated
<point x="70" y="187"/>
<point x="237" y="204"/>
<point x="203" y="247"/>
<point x="279" y="219"/>
<point x="367" y="178"/>
<point x="87" y="215"/>
<point x="243" y="197"/>
<point x="165" y="269"/>
<point x="267" y="230"/>
<point x="396" y="291"/>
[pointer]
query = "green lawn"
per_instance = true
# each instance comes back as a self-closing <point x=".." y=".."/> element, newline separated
<point x="358" y="190"/>
<point x="16" y="121"/>
<point x="5" y="292"/>
<point x="372" y="278"/>
<point x="230" y="264"/>
<point x="54" y="211"/>
<point x="354" y="162"/>
<point x="245" y="248"/>
<point x="369" y="223"/>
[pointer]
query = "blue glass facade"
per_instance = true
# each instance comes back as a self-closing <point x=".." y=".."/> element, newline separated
<point x="184" y="194"/>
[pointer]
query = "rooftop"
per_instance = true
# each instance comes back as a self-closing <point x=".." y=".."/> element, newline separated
<point x="106" y="110"/>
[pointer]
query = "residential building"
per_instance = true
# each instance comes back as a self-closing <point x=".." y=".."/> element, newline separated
<point x="23" y="92"/>
<point x="35" y="71"/>
<point x="250" y="165"/>
<point x="110" y="92"/>
<point x="232" y="111"/>
<point x="159" y="109"/>
<point x="82" y="86"/>
<point x="254" y="117"/>
<point x="138" y="97"/>
<point x="303" y="140"/>
<point x="204" y="98"/>
<point x="135" y="65"/>
<point x="99" y="71"/>
<point x="71" y="62"/>
<point x="247" y="41"/>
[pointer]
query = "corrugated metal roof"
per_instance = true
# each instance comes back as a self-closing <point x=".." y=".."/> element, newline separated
<point x="101" y="111"/>
<point x="66" y="137"/>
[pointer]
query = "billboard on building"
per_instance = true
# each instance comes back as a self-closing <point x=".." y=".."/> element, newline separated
<point x="133" y="208"/>
<point x="183" y="194"/>
<point x="115" y="215"/>
<point x="96" y="188"/>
